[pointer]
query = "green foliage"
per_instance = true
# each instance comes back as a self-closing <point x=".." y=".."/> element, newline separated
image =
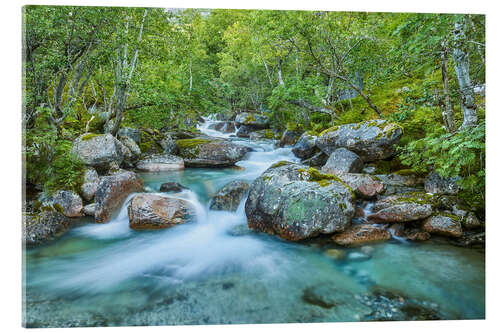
<point x="461" y="154"/>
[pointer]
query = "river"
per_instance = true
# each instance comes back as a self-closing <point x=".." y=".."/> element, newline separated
<point x="214" y="270"/>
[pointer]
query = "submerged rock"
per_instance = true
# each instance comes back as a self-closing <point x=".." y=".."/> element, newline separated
<point x="89" y="186"/>
<point x="164" y="162"/>
<point x="402" y="208"/>
<point x="305" y="147"/>
<point x="154" y="211"/>
<point x="371" y="140"/>
<point x="172" y="187"/>
<point x="298" y="203"/>
<point x="112" y="192"/>
<point x="98" y="150"/>
<point x="443" y="225"/>
<point x="336" y="254"/>
<point x="229" y="196"/>
<point x="209" y="153"/>
<point x="342" y="160"/>
<point x="44" y="226"/>
<point x="361" y="234"/>
<point x="439" y="185"/>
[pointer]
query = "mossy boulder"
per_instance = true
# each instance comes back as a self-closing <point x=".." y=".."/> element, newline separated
<point x="436" y="184"/>
<point x="253" y="120"/>
<point x="202" y="152"/>
<point x="155" y="211"/>
<point x="444" y="225"/>
<point x="296" y="202"/>
<point x="43" y="226"/>
<point x="229" y="196"/>
<point x="68" y="203"/>
<point x="403" y="208"/>
<point x="371" y="140"/>
<point x="98" y="150"/>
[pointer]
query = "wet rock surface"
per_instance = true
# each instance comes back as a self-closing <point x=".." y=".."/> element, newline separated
<point x="342" y="160"/>
<point x="172" y="187"/>
<point x="202" y="152"/>
<point x="402" y="208"/>
<point x="361" y="234"/>
<point x="164" y="162"/>
<point x="229" y="196"/>
<point x="43" y="226"/>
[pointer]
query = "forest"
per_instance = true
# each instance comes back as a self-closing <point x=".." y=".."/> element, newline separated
<point x="331" y="130"/>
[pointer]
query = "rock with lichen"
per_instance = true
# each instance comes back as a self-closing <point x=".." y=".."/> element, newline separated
<point x="229" y="196"/>
<point x="203" y="152"/>
<point x="362" y="234"/>
<point x="402" y="208"/>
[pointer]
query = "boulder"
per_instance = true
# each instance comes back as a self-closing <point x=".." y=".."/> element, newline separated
<point x="317" y="160"/>
<point x="361" y="234"/>
<point x="132" y="133"/>
<point x="154" y="211"/>
<point x="342" y="160"/>
<point x="402" y="208"/>
<point x="371" y="140"/>
<point x="365" y="186"/>
<point x="209" y="153"/>
<point x="68" y="203"/>
<point x="223" y="126"/>
<point x="289" y="138"/>
<point x="89" y="186"/>
<point x="440" y="185"/>
<point x="98" y="150"/>
<point x="89" y="210"/>
<point x="133" y="148"/>
<point x="172" y="187"/>
<point x="44" y="226"/>
<point x="253" y="120"/>
<point x="164" y="162"/>
<point x="112" y="191"/>
<point x="305" y="147"/>
<point x="298" y="203"/>
<point x="261" y="134"/>
<point x="229" y="196"/>
<point x="443" y="225"/>
<point x="244" y="131"/>
<point x="397" y="184"/>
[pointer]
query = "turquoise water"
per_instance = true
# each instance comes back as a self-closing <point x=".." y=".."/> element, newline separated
<point x="214" y="270"/>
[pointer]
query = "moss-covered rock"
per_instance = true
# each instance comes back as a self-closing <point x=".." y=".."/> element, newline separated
<point x="43" y="226"/>
<point x="200" y="152"/>
<point x="403" y="208"/>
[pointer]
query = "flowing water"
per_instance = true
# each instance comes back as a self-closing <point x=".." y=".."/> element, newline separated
<point x="215" y="270"/>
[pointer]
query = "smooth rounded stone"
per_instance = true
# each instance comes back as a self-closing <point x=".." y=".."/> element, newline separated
<point x="154" y="211"/>
<point x="306" y="146"/>
<point x="298" y="203"/>
<point x="201" y="152"/>
<point x="172" y="187"/>
<point x="254" y="120"/>
<point x="361" y="234"/>
<point x="342" y="160"/>
<point x="402" y="208"/>
<point x="43" y="226"/>
<point x="442" y="225"/>
<point x="358" y="256"/>
<point x="336" y="254"/>
<point x="223" y="126"/>
<point x="112" y="191"/>
<point x="436" y="184"/>
<point x="289" y="138"/>
<point x="156" y="163"/>
<point x="229" y="196"/>
<point x="68" y="203"/>
<point x="371" y="140"/>
<point x="317" y="160"/>
<point x="89" y="210"/>
<point x="98" y="150"/>
<point x="365" y="186"/>
<point x="132" y="133"/>
<point x="89" y="186"/>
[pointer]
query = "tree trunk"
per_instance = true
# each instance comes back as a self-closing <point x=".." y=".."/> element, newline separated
<point x="447" y="109"/>
<point x="190" y="74"/>
<point x="280" y="75"/>
<point x="461" y="59"/>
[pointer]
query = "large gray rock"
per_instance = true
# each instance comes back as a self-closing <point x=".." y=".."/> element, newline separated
<point x="67" y="202"/>
<point x="154" y="211"/>
<point x="371" y="140"/>
<point x="298" y="203"/>
<point x="89" y="186"/>
<point x="229" y="196"/>
<point x="157" y="163"/>
<point x="443" y="225"/>
<point x="305" y="147"/>
<point x="203" y="152"/>
<point x="317" y="160"/>
<point x="254" y="120"/>
<point x="365" y="186"/>
<point x="98" y="150"/>
<point x="132" y="133"/>
<point x="43" y="226"/>
<point x="132" y="146"/>
<point x="436" y="184"/>
<point x="289" y="138"/>
<point x="402" y="208"/>
<point x="342" y="160"/>
<point x="112" y="192"/>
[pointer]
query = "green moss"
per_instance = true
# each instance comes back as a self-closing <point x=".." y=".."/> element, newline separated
<point x="268" y="134"/>
<point x="249" y="119"/>
<point x="325" y="179"/>
<point x="357" y="126"/>
<point x="190" y="143"/>
<point x="89" y="136"/>
<point x="418" y="197"/>
<point x="451" y="216"/>
<point x="375" y="178"/>
<point x="328" y="130"/>
<point x="58" y="208"/>
<point x="279" y="164"/>
<point x="406" y="172"/>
